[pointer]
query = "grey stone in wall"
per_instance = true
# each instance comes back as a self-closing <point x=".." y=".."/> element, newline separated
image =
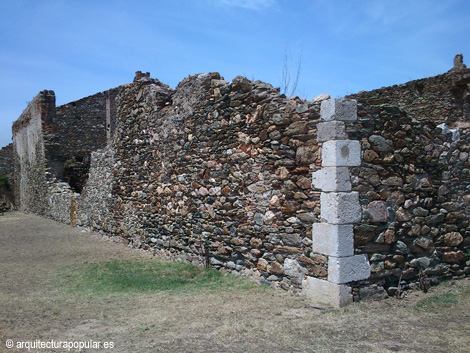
<point x="333" y="239"/>
<point x="331" y="130"/>
<point x="94" y="204"/>
<point x="340" y="207"/>
<point x="348" y="269"/>
<point x="325" y="292"/>
<point x="332" y="179"/>
<point x="339" y="109"/>
<point x="341" y="153"/>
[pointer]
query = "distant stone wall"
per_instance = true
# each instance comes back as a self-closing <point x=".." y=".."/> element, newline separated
<point x="441" y="99"/>
<point x="7" y="170"/>
<point x="61" y="202"/>
<point x="77" y="129"/>
<point x="6" y="160"/>
<point x="52" y="151"/>
<point x="94" y="206"/>
<point x="29" y="154"/>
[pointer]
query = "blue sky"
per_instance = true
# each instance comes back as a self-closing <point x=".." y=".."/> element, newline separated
<point x="78" y="48"/>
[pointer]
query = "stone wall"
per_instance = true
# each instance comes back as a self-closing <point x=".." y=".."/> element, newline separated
<point x="441" y="99"/>
<point x="94" y="205"/>
<point x="219" y="170"/>
<point x="29" y="154"/>
<point x="52" y="151"/>
<point x="414" y="183"/>
<point x="6" y="160"/>
<point x="76" y="129"/>
<point x="61" y="202"/>
<point x="6" y="171"/>
<point x="211" y="171"/>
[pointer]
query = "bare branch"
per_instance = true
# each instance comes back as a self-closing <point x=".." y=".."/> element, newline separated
<point x="290" y="75"/>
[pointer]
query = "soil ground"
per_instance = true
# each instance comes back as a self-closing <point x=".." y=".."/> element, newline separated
<point x="36" y="305"/>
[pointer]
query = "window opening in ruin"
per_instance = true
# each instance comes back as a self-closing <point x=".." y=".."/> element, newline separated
<point x="76" y="171"/>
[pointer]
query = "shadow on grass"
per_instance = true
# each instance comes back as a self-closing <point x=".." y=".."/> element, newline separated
<point x="142" y="276"/>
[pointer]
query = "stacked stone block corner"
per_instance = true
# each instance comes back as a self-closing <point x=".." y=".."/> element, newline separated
<point x="340" y="208"/>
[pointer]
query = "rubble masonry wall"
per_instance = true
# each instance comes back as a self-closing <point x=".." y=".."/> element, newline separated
<point x="221" y="172"/>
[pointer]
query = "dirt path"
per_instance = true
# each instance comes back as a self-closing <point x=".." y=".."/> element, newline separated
<point x="34" y="304"/>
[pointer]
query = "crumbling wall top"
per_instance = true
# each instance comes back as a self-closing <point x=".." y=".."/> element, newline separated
<point x="458" y="63"/>
<point x="43" y="104"/>
<point x="141" y="76"/>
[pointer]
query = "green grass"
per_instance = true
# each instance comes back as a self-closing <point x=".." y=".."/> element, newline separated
<point x="444" y="300"/>
<point x="151" y="275"/>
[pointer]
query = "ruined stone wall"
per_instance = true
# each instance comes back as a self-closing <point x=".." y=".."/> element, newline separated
<point x="61" y="202"/>
<point x="77" y="129"/>
<point x="442" y="99"/>
<point x="6" y="160"/>
<point x="414" y="184"/>
<point x="29" y="154"/>
<point x="220" y="172"/>
<point x="94" y="206"/>
<point x="219" y="169"/>
<point x="52" y="151"/>
<point x="6" y="171"/>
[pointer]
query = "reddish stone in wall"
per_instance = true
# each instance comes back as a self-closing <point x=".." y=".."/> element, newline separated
<point x="453" y="256"/>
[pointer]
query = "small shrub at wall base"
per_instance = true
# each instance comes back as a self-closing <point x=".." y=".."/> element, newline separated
<point x="4" y="182"/>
